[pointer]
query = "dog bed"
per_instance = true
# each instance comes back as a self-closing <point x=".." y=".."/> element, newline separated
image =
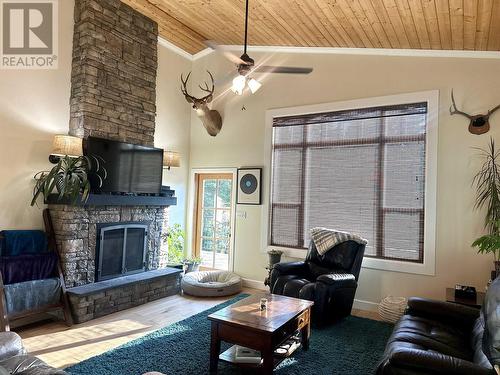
<point x="211" y="283"/>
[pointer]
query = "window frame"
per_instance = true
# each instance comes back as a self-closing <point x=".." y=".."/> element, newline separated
<point x="432" y="100"/>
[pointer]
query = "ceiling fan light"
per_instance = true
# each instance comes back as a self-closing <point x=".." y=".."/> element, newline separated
<point x="254" y="85"/>
<point x="239" y="83"/>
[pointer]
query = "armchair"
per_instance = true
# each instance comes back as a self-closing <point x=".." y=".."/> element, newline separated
<point x="330" y="280"/>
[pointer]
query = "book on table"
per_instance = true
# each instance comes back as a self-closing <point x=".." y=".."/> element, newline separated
<point x="246" y="355"/>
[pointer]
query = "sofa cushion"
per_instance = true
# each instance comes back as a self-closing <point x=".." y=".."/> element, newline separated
<point x="424" y="334"/>
<point x="30" y="295"/>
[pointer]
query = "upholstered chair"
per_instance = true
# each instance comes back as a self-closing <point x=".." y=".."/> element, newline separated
<point x="330" y="280"/>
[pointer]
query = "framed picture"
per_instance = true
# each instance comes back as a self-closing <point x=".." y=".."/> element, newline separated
<point x="249" y="186"/>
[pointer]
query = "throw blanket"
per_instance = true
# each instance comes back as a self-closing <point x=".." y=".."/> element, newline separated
<point x="22" y="242"/>
<point x="324" y="239"/>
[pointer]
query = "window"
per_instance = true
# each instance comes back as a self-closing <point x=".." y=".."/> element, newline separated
<point x="360" y="170"/>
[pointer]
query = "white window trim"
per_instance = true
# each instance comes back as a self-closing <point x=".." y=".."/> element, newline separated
<point x="428" y="267"/>
<point x="191" y="226"/>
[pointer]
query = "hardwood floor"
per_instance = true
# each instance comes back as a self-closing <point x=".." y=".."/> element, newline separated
<point x="61" y="346"/>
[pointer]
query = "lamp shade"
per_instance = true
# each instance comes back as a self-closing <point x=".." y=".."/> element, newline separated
<point x="67" y="145"/>
<point x="171" y="159"/>
<point x="254" y="85"/>
<point x="239" y="83"/>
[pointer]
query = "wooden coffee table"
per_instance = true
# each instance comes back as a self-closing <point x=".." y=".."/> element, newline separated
<point x="243" y="323"/>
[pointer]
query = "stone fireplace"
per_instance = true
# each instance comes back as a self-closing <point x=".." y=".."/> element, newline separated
<point x="111" y="250"/>
<point x="77" y="233"/>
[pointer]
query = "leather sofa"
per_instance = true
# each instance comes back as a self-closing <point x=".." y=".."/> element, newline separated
<point x="435" y="337"/>
<point x="15" y="360"/>
<point x="330" y="280"/>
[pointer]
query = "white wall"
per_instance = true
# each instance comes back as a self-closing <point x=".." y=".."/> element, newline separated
<point x="345" y="77"/>
<point x="34" y="105"/>
<point x="173" y="124"/>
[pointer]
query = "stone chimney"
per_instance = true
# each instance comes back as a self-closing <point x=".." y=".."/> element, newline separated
<point x="113" y="79"/>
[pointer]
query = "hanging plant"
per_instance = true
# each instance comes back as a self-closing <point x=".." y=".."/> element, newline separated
<point x="69" y="179"/>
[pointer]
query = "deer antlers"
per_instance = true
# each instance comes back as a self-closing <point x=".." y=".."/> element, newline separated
<point x="193" y="99"/>
<point x="210" y="118"/>
<point x="479" y="124"/>
<point x="455" y="110"/>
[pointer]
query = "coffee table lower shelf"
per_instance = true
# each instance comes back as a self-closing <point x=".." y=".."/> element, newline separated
<point x="228" y="356"/>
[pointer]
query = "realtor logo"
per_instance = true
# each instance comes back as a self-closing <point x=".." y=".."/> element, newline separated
<point x="29" y="34"/>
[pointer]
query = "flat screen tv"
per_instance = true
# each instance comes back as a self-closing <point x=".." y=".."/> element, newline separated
<point x="131" y="168"/>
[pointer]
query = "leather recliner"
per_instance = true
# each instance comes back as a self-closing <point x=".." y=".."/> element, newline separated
<point x="435" y="337"/>
<point x="330" y="280"/>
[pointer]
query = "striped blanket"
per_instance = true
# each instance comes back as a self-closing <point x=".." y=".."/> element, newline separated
<point x="324" y="239"/>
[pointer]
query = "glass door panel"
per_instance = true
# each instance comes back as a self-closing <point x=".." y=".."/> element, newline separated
<point x="213" y="232"/>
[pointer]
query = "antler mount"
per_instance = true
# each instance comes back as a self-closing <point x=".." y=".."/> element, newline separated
<point x="478" y="124"/>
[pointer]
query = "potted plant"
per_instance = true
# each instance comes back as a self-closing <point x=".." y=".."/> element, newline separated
<point x="487" y="183"/>
<point x="174" y="237"/>
<point x="192" y="264"/>
<point x="69" y="179"/>
<point x="274" y="257"/>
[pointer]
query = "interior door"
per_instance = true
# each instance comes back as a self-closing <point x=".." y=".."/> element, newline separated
<point x="213" y="219"/>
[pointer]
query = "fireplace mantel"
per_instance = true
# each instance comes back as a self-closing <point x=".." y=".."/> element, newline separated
<point x="117" y="200"/>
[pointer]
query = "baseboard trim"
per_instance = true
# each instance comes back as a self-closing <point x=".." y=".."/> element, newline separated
<point x="254" y="284"/>
<point x="365" y="305"/>
<point x="358" y="303"/>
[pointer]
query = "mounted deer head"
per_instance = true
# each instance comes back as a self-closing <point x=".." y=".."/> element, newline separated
<point x="479" y="124"/>
<point x="210" y="118"/>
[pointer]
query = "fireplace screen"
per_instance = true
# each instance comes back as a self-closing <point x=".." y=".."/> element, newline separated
<point x="121" y="250"/>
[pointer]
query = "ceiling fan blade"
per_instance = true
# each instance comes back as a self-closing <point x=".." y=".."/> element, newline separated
<point x="282" y="69"/>
<point x="230" y="56"/>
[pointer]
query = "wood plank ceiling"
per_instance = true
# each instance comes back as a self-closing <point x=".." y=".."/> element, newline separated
<point x="413" y="24"/>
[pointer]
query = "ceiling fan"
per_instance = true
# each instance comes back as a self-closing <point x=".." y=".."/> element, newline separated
<point x="246" y="65"/>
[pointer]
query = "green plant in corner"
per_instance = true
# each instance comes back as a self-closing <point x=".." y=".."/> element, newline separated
<point x="175" y="242"/>
<point x="69" y="179"/>
<point x="196" y="260"/>
<point x="487" y="183"/>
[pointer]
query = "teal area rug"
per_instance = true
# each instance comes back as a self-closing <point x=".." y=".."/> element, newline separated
<point x="351" y="347"/>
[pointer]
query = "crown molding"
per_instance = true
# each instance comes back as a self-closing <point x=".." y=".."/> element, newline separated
<point x="338" y="51"/>
<point x="361" y="51"/>
<point x="172" y="47"/>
